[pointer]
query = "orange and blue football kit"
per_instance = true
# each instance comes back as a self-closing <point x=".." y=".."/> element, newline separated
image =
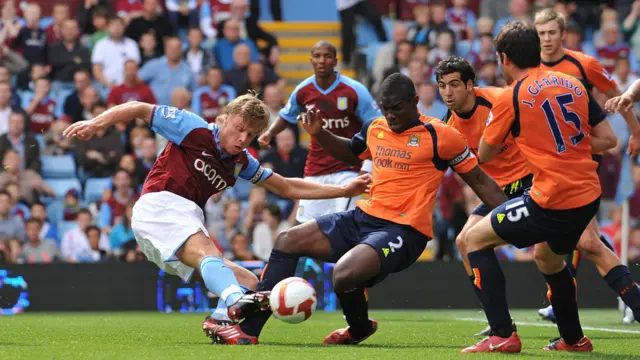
<point x="407" y="171"/>
<point x="508" y="168"/>
<point x="550" y="116"/>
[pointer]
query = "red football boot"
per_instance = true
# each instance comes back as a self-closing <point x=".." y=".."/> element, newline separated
<point x="343" y="337"/>
<point x="583" y="345"/>
<point x="494" y="343"/>
<point x="231" y="335"/>
<point x="209" y="324"/>
<point x="248" y="304"/>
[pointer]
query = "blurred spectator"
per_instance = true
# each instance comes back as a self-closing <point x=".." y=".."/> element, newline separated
<point x="31" y="183"/>
<point x="11" y="226"/>
<point x="274" y="99"/>
<point x="149" y="49"/>
<point x="253" y="213"/>
<point x="613" y="47"/>
<point x="402" y="59"/>
<point x="12" y="61"/>
<point x="71" y="205"/>
<point x="32" y="40"/>
<point x="199" y="59"/>
<point x="231" y="225"/>
<point x="255" y="81"/>
<point x="132" y="252"/>
<point x="152" y="22"/>
<point x="212" y="12"/>
<point x="240" y="248"/>
<point x="438" y="22"/>
<point x="128" y="163"/>
<point x="129" y="9"/>
<point x="122" y="232"/>
<point x="573" y="39"/>
<point x="429" y="103"/>
<point x="607" y="15"/>
<point x="55" y="142"/>
<point x="41" y="106"/>
<point x="488" y="74"/>
<point x="18" y="207"/>
<point x="418" y="32"/>
<point x="178" y="9"/>
<point x="348" y="10"/>
<point x="94" y="253"/>
<point x="461" y="20"/>
<point x="75" y="243"/>
<point x="136" y="137"/>
<point x="100" y="155"/>
<point x="110" y="54"/>
<point x="445" y="47"/>
<point x="100" y="22"/>
<point x="287" y="159"/>
<point x="168" y="72"/>
<point x="214" y="211"/>
<point x="87" y="12"/>
<point x="181" y="98"/>
<point x="14" y="99"/>
<point x="630" y="28"/>
<point x="485" y="51"/>
<point x="147" y="158"/>
<point x="237" y="76"/>
<point x="417" y="72"/>
<point x="24" y="143"/>
<point x="38" y="250"/>
<point x="89" y="99"/>
<point x="623" y="75"/>
<point x="11" y="24"/>
<point x="132" y="89"/>
<point x="518" y="10"/>
<point x="115" y="200"/>
<point x="386" y="53"/>
<point x="68" y="56"/>
<point x="224" y="48"/>
<point x="27" y="83"/>
<point x="72" y="106"/>
<point x="275" y="6"/>
<point x="5" y="107"/>
<point x="55" y="30"/>
<point x="264" y="236"/>
<point x="48" y="230"/>
<point x="209" y="100"/>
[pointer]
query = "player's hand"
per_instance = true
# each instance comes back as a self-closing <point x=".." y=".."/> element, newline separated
<point x="265" y="140"/>
<point x="82" y="130"/>
<point x="358" y="185"/>
<point x="619" y="104"/>
<point x="634" y="145"/>
<point x="312" y="121"/>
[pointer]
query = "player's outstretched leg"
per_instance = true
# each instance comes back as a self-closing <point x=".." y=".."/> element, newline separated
<point x="357" y="267"/>
<point x="562" y="295"/>
<point x="490" y="282"/>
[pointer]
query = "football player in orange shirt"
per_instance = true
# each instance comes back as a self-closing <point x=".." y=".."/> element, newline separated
<point x="551" y="27"/>
<point x="388" y="232"/>
<point x="551" y="116"/>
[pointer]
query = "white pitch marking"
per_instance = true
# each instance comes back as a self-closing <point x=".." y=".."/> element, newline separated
<point x="591" y="328"/>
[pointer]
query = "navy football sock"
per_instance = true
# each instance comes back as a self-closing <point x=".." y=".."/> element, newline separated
<point x="281" y="266"/>
<point x="491" y="289"/>
<point x="562" y="296"/>
<point x="472" y="278"/>
<point x="573" y="261"/>
<point x="620" y="280"/>
<point x="356" y="309"/>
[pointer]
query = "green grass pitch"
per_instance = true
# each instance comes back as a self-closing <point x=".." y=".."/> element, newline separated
<point x="406" y="335"/>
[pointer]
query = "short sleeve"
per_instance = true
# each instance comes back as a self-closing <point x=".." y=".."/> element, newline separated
<point x="367" y="108"/>
<point x="358" y="143"/>
<point x="453" y="148"/>
<point x="500" y="120"/>
<point x="174" y="124"/>
<point x="596" y="114"/>
<point x="291" y="111"/>
<point x="253" y="172"/>
<point x="598" y="76"/>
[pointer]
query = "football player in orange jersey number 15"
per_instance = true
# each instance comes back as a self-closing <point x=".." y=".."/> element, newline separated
<point x="388" y="232"/>
<point x="550" y="115"/>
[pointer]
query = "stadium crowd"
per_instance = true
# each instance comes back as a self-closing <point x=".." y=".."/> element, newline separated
<point x="63" y="200"/>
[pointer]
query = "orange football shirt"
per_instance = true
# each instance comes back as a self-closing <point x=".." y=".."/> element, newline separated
<point x="584" y="67"/>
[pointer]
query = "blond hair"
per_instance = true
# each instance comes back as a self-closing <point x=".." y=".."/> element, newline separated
<point x="253" y="111"/>
<point x="547" y="15"/>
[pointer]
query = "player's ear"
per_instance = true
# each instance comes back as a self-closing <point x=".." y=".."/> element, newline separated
<point x="415" y="100"/>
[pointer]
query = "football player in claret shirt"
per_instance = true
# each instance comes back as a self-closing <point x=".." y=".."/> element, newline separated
<point x="551" y="116"/>
<point x="345" y="105"/>
<point x="551" y="28"/>
<point x="199" y="161"/>
<point x="387" y="233"/>
<point x="209" y="100"/>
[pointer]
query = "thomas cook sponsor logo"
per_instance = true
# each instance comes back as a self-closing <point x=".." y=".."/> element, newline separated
<point x="390" y="158"/>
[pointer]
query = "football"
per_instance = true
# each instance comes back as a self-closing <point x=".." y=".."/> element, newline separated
<point x="293" y="300"/>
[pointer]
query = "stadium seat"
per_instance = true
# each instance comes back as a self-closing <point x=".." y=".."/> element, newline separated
<point x="63" y="227"/>
<point x="242" y="189"/>
<point x="58" y="167"/>
<point x="55" y="211"/>
<point x="61" y="186"/>
<point x="94" y="187"/>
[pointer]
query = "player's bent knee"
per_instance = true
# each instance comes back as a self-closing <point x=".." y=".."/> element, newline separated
<point x="590" y="246"/>
<point x="461" y="242"/>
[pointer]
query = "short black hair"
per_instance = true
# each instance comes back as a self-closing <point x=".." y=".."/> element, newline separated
<point x="520" y="42"/>
<point x="33" y="220"/>
<point x="456" y="64"/>
<point x="4" y="192"/>
<point x="274" y="210"/>
<point x="91" y="228"/>
<point x="325" y="43"/>
<point x="399" y="86"/>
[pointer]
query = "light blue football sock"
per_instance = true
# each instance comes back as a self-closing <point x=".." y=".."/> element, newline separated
<point x="219" y="279"/>
<point x="220" y="313"/>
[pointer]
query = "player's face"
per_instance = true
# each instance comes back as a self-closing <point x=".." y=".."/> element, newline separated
<point x="236" y="135"/>
<point x="550" y="37"/>
<point x="400" y="114"/>
<point x="454" y="91"/>
<point x="323" y="61"/>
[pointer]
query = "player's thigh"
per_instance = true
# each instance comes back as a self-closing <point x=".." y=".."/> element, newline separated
<point x="310" y="239"/>
<point x="461" y="240"/>
<point x="569" y="226"/>
<point x="197" y="246"/>
<point x="546" y="260"/>
<point x="590" y="239"/>
<point x="358" y="266"/>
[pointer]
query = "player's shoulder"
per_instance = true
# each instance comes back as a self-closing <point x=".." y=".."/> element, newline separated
<point x="488" y="94"/>
<point x="578" y="56"/>
<point x="352" y="83"/>
<point x="306" y="83"/>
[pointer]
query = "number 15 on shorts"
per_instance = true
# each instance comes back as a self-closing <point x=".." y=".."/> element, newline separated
<point x="515" y="212"/>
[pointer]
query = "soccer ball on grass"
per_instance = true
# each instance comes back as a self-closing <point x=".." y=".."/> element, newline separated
<point x="293" y="300"/>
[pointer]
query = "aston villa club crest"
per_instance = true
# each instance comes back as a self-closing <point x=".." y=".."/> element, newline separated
<point x="342" y="103"/>
<point x="236" y="171"/>
<point x="414" y="140"/>
<point x="222" y="101"/>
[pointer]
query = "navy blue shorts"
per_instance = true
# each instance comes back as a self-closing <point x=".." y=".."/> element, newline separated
<point x="512" y="191"/>
<point x="523" y="223"/>
<point x="399" y="246"/>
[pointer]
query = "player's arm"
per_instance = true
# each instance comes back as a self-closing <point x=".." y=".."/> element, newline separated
<point x="501" y="118"/>
<point x="603" y="137"/>
<point x="625" y="101"/>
